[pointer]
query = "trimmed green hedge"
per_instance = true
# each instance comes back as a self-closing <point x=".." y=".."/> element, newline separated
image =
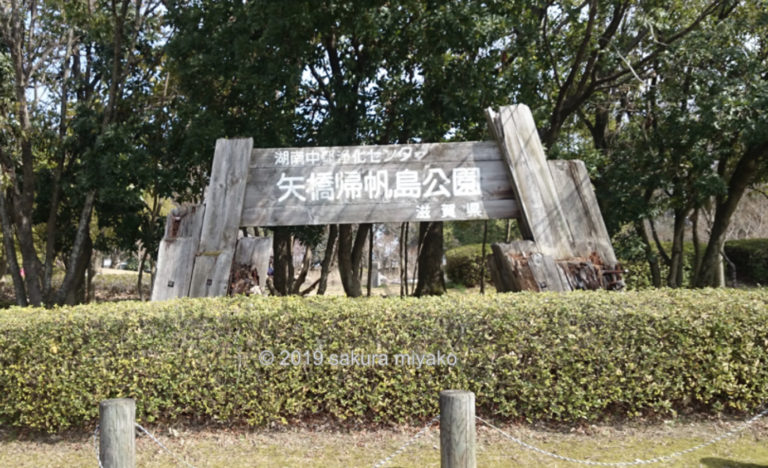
<point x="576" y="357"/>
<point x="751" y="259"/>
<point x="463" y="264"/>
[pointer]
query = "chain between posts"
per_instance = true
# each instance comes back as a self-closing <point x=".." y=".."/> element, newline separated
<point x="96" y="445"/>
<point x="413" y="439"/>
<point x="151" y="436"/>
<point x="746" y="424"/>
<point x="649" y="461"/>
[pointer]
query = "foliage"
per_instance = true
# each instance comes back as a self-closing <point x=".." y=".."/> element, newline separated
<point x="686" y="137"/>
<point x="464" y="264"/>
<point x="751" y="259"/>
<point x="577" y="357"/>
<point x="632" y="259"/>
<point x="90" y="141"/>
<point x="749" y="256"/>
<point x="459" y="233"/>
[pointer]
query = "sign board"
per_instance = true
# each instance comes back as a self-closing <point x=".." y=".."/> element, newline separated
<point x="387" y="183"/>
<point x="567" y="244"/>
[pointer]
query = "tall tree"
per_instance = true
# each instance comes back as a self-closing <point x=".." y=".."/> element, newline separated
<point x="674" y="139"/>
<point x="79" y="68"/>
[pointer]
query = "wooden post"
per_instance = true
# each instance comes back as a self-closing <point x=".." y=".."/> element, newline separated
<point x="457" y="429"/>
<point x="542" y="218"/>
<point x="221" y="223"/>
<point x="176" y="255"/>
<point x="117" y="426"/>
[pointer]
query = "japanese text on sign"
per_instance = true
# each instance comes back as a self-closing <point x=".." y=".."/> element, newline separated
<point x="381" y="184"/>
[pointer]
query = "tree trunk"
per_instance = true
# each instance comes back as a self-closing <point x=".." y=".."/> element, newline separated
<point x="325" y="266"/>
<point x="282" y="261"/>
<point x="24" y="195"/>
<point x="351" y="256"/>
<point x="77" y="292"/>
<point x="675" y="276"/>
<point x="404" y="245"/>
<point x="650" y="256"/>
<point x="51" y="228"/>
<point x="142" y="261"/>
<point x="430" y="260"/>
<point x="400" y="244"/>
<point x="80" y="249"/>
<point x="743" y="175"/>
<point x="696" y="244"/>
<point x="306" y="263"/>
<point x="370" y="260"/>
<point x="482" y="257"/>
<point x="10" y="253"/>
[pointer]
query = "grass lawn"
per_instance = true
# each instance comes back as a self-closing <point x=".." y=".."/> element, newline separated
<point x="300" y="448"/>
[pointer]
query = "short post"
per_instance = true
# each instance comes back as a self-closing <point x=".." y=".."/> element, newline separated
<point x="457" y="429"/>
<point x="117" y="436"/>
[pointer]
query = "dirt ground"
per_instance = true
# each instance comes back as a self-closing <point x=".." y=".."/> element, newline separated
<point x="287" y="447"/>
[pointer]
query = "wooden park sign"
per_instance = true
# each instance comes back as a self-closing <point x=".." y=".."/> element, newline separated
<point x="567" y="245"/>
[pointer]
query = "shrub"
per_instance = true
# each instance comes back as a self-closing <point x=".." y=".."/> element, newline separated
<point x="575" y="357"/>
<point x="750" y="256"/>
<point x="463" y="265"/>
<point x="751" y="259"/>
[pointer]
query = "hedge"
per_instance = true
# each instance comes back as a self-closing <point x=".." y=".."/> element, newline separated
<point x="463" y="264"/>
<point x="751" y="259"/>
<point x="576" y="357"/>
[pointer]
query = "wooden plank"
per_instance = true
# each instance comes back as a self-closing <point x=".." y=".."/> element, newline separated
<point x="372" y="212"/>
<point x="255" y="252"/>
<point x="468" y="152"/>
<point x="520" y="266"/>
<point x="268" y="201"/>
<point x="176" y="255"/>
<point x="509" y="270"/>
<point x="223" y="210"/>
<point x="547" y="273"/>
<point x="175" y="261"/>
<point x="211" y="274"/>
<point x="582" y="212"/>
<point x="263" y="190"/>
<point x="184" y="221"/>
<point x="542" y="216"/>
<point x="582" y="274"/>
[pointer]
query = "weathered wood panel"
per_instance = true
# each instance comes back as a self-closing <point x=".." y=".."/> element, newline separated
<point x="542" y="216"/>
<point x="509" y="273"/>
<point x="176" y="255"/>
<point x="175" y="261"/>
<point x="582" y="274"/>
<point x="263" y="191"/>
<point x="223" y="210"/>
<point x="468" y="152"/>
<point x="211" y="274"/>
<point x="520" y="266"/>
<point x="547" y="274"/>
<point x="255" y="252"/>
<point x="367" y="184"/>
<point x="365" y="213"/>
<point x="582" y="212"/>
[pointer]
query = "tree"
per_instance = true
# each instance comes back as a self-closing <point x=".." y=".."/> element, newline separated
<point x="81" y="71"/>
<point x="733" y="89"/>
<point x="331" y="73"/>
<point x="682" y="135"/>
